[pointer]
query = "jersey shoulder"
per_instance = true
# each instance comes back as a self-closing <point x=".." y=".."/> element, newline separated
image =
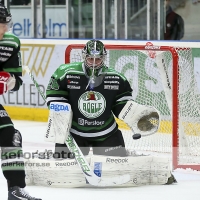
<point x="112" y="72"/>
<point x="9" y="39"/>
<point x="71" y="68"/>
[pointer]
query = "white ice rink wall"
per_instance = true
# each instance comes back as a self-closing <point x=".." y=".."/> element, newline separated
<point x="43" y="56"/>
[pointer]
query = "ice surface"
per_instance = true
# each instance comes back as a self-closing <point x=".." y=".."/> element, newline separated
<point x="188" y="186"/>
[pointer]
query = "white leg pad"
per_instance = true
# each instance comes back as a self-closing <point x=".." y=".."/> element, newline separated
<point x="144" y="170"/>
<point x="54" y="172"/>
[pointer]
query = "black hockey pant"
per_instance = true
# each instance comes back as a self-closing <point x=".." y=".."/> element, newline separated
<point x="111" y="146"/>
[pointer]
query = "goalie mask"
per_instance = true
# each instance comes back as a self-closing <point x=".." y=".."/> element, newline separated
<point x="94" y="54"/>
<point x="5" y="19"/>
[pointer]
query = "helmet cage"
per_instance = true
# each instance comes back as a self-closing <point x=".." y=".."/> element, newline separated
<point x="92" y="61"/>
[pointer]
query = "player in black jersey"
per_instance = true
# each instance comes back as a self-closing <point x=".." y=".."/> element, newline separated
<point x="12" y="163"/>
<point x="96" y="94"/>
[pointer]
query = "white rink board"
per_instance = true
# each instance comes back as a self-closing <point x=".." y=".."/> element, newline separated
<point x="44" y="56"/>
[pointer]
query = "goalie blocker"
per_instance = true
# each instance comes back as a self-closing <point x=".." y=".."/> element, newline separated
<point x="142" y="119"/>
<point x="59" y="122"/>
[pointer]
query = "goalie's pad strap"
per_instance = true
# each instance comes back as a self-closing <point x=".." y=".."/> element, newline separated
<point x="144" y="170"/>
<point x="59" y="122"/>
<point x="141" y="119"/>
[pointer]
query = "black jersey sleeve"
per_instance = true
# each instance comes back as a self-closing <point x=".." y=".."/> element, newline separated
<point x="14" y="67"/>
<point x="124" y="95"/>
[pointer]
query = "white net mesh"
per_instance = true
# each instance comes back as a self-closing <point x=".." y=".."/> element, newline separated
<point x="146" y="79"/>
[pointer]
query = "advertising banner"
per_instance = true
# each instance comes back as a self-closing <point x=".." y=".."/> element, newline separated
<point x="55" y="25"/>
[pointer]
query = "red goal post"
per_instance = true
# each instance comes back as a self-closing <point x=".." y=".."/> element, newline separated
<point x="165" y="70"/>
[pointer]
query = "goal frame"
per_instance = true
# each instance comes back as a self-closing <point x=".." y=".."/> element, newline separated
<point x="175" y="99"/>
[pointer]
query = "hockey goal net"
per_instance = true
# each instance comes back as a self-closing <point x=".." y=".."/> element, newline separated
<point x="161" y="76"/>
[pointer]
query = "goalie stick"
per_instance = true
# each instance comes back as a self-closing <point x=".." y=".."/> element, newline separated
<point x="90" y="176"/>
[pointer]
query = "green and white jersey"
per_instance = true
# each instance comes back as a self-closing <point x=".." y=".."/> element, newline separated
<point x="10" y="57"/>
<point x="93" y="109"/>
